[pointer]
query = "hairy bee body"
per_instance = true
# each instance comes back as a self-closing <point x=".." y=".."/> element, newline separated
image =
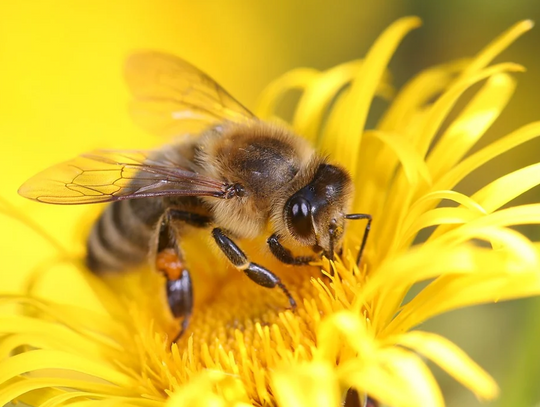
<point x="269" y="162"/>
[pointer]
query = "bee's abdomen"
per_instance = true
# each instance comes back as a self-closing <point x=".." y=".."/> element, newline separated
<point x="121" y="237"/>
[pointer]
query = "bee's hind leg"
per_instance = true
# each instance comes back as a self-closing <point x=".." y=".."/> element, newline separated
<point x="169" y="262"/>
<point x="178" y="287"/>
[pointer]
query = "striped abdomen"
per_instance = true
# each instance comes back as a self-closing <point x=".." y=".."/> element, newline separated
<point x="121" y="237"/>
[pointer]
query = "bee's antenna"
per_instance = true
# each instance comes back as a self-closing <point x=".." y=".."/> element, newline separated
<point x="359" y="216"/>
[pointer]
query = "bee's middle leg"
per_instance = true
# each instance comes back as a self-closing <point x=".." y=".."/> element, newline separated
<point x="256" y="273"/>
<point x="169" y="262"/>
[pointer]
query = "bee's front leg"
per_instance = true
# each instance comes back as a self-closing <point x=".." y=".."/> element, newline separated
<point x="284" y="255"/>
<point x="169" y="262"/>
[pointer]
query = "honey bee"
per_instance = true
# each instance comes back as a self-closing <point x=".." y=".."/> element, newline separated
<point x="231" y="173"/>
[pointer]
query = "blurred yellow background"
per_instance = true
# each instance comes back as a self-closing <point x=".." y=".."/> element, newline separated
<point x="62" y="93"/>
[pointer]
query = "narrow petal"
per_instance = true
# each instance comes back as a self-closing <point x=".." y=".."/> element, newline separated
<point x="453" y="291"/>
<point x="269" y="99"/>
<point x="344" y="140"/>
<point x="417" y="94"/>
<point x="433" y="198"/>
<point x="453" y="360"/>
<point x="498" y="45"/>
<point x="210" y="388"/>
<point x="407" y="269"/>
<point x="22" y="385"/>
<point x="417" y="384"/>
<point x="476" y="160"/>
<point x="309" y="385"/>
<point x="503" y="190"/>
<point x="517" y="215"/>
<point x="471" y="123"/>
<point x="351" y="329"/>
<point x="521" y="254"/>
<point x="413" y="164"/>
<point x="376" y="381"/>
<point x="39" y="398"/>
<point x="442" y="107"/>
<point x="99" y="403"/>
<point x="317" y="98"/>
<point x="401" y="194"/>
<point x="43" y="334"/>
<point x="403" y="116"/>
<point x="435" y="217"/>
<point x="508" y="187"/>
<point x="47" y="359"/>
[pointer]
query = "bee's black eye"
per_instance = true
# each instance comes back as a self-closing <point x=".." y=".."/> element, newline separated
<point x="300" y="216"/>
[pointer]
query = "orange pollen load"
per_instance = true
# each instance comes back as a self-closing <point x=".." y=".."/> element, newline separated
<point x="168" y="262"/>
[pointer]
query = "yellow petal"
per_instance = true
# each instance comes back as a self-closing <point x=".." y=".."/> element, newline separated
<point x="350" y="328"/>
<point x="453" y="291"/>
<point x="471" y="123"/>
<point x="476" y="160"/>
<point x="43" y="334"/>
<point x="393" y="377"/>
<point x="439" y="216"/>
<point x="442" y="107"/>
<point x="417" y="383"/>
<point x="517" y="215"/>
<point x="21" y="385"/>
<point x="498" y="45"/>
<point x="375" y="381"/>
<point x="418" y="93"/>
<point x="98" y="403"/>
<point x="404" y="116"/>
<point x="77" y="318"/>
<point x="39" y="398"/>
<point x="311" y="108"/>
<point x="299" y="78"/>
<point x="343" y="140"/>
<point x="401" y="194"/>
<point x="308" y="385"/>
<point x="210" y="388"/>
<point x="318" y="96"/>
<point x="501" y="191"/>
<point x="453" y="360"/>
<point x="506" y="188"/>
<point x="407" y="269"/>
<point x="432" y="198"/>
<point x="42" y="359"/>
<point x="413" y="164"/>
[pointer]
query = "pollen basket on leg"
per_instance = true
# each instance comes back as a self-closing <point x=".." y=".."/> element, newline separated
<point x="167" y="261"/>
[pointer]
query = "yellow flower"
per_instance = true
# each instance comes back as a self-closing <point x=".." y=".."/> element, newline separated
<point x="352" y="328"/>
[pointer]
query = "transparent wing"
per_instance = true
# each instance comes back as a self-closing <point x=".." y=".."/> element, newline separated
<point x="172" y="97"/>
<point x="106" y="176"/>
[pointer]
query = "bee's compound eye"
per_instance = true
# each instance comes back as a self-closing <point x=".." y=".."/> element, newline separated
<point x="300" y="217"/>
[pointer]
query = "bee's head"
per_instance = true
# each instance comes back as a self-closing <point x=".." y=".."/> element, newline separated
<point x="315" y="214"/>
